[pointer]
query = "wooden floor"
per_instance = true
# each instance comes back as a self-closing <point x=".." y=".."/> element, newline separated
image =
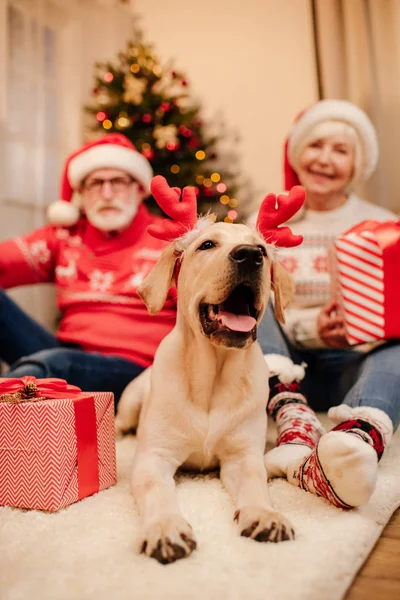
<point x="379" y="578"/>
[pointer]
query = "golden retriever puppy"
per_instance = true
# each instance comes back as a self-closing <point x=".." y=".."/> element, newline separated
<point x="206" y="393"/>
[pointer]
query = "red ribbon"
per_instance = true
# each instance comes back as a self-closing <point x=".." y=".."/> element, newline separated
<point x="48" y="388"/>
<point x="387" y="235"/>
<point x="85" y="423"/>
<point x="88" y="453"/>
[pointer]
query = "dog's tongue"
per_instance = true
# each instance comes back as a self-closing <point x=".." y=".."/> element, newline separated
<point x="237" y="322"/>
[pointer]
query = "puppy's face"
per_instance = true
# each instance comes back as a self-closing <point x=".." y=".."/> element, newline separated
<point x="224" y="284"/>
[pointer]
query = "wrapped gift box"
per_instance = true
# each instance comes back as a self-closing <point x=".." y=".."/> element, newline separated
<point x="366" y="277"/>
<point x="57" y="444"/>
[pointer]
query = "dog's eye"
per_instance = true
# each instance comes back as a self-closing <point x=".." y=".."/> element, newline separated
<point x="207" y="245"/>
<point x="263" y="250"/>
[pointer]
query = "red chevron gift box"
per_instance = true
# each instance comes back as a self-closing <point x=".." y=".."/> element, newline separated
<point x="57" y="443"/>
<point x="366" y="266"/>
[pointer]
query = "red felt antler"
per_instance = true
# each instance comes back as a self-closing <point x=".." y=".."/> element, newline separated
<point x="274" y="211"/>
<point x="183" y="210"/>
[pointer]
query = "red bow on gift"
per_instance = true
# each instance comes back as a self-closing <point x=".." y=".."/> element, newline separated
<point x="30" y="390"/>
<point x="30" y="387"/>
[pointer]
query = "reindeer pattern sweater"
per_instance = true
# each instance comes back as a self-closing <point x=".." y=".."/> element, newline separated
<point x="96" y="279"/>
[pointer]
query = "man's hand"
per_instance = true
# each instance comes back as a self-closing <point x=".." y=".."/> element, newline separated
<point x="330" y="327"/>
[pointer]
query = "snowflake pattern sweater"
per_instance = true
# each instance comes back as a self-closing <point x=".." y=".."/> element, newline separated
<point x="96" y="279"/>
<point x="308" y="263"/>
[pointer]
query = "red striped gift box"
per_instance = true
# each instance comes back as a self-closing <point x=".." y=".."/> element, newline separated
<point x="57" y="444"/>
<point x="367" y="266"/>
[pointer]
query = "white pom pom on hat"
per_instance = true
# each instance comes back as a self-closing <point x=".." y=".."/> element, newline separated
<point x="63" y="213"/>
<point x="113" y="150"/>
<point x="332" y="110"/>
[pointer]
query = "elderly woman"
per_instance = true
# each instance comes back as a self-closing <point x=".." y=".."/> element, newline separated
<point x="331" y="147"/>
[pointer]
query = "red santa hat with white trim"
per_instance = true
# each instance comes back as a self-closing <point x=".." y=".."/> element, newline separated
<point x="114" y="151"/>
<point x="336" y="113"/>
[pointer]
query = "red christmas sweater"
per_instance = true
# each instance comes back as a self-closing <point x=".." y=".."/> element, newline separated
<point x="96" y="279"/>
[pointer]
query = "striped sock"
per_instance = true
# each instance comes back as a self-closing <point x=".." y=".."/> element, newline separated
<point x="343" y="467"/>
<point x="296" y="422"/>
<point x="298" y="428"/>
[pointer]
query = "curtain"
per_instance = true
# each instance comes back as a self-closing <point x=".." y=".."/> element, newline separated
<point x="358" y="57"/>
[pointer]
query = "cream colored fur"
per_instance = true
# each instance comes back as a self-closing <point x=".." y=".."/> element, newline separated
<point x="204" y="403"/>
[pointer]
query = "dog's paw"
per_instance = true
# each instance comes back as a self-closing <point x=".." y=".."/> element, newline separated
<point x="263" y="524"/>
<point x="168" y="539"/>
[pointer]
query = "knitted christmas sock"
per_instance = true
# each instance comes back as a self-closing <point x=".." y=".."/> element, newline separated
<point x="343" y="466"/>
<point x="298" y="429"/>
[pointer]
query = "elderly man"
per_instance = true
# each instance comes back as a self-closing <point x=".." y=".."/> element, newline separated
<point x="96" y="251"/>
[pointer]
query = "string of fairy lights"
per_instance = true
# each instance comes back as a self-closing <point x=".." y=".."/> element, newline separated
<point x="164" y="136"/>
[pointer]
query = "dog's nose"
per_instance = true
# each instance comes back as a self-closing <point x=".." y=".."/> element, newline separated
<point x="247" y="256"/>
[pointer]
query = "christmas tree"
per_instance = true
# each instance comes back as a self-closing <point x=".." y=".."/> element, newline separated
<point x="151" y="105"/>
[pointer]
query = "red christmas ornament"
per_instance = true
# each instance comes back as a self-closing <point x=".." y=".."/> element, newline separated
<point x="148" y="153"/>
<point x="193" y="143"/>
<point x="208" y="191"/>
<point x="171" y="146"/>
<point x="147" y="118"/>
<point x="185" y="131"/>
<point x="165" y="106"/>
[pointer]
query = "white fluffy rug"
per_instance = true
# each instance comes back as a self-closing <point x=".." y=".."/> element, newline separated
<point x="86" y="551"/>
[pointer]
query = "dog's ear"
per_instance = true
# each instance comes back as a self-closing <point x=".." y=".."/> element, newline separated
<point x="283" y="288"/>
<point x="154" y="289"/>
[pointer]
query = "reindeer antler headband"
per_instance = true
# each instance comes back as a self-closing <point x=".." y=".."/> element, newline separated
<point x="183" y="210"/>
<point x="277" y="210"/>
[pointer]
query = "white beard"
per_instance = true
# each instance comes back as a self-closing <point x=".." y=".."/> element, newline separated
<point x="116" y="220"/>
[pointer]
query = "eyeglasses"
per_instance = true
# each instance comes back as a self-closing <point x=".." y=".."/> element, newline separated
<point x="118" y="184"/>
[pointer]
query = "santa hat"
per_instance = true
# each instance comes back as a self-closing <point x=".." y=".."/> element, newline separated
<point x="339" y="111"/>
<point x="114" y="151"/>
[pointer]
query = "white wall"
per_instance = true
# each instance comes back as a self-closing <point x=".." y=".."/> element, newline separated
<point x="253" y="60"/>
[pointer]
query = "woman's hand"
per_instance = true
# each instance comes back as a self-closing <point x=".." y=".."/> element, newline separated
<point x="330" y="327"/>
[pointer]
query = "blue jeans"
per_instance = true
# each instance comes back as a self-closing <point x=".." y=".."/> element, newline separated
<point x="341" y="376"/>
<point x="31" y="350"/>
